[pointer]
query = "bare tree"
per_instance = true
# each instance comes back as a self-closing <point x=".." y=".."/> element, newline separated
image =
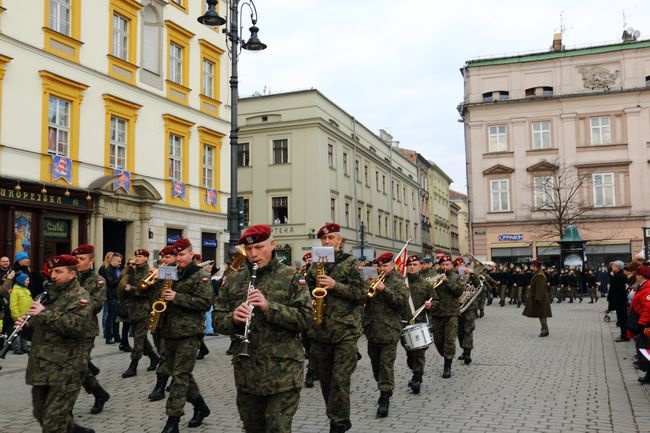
<point x="556" y="195"/>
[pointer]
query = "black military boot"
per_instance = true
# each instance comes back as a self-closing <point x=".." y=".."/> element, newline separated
<point x="309" y="378"/>
<point x="172" y="425"/>
<point x="340" y="427"/>
<point x="384" y="402"/>
<point x="201" y="411"/>
<point x="101" y="397"/>
<point x="446" y="371"/>
<point x="93" y="368"/>
<point x="467" y="356"/>
<point x="132" y="370"/>
<point x="415" y="383"/>
<point x="158" y="392"/>
<point x="502" y="303"/>
<point x="76" y="428"/>
<point x="203" y="351"/>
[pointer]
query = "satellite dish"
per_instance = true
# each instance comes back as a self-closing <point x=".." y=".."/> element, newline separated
<point x="636" y="34"/>
<point x="257" y="94"/>
<point x="630" y="30"/>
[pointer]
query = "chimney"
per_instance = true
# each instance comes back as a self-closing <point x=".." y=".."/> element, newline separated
<point x="557" y="42"/>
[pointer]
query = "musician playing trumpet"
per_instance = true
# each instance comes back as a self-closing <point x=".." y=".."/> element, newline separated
<point x="383" y="327"/>
<point x="421" y="293"/>
<point x="269" y="378"/>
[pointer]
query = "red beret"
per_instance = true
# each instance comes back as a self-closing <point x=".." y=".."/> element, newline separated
<point x="83" y="249"/>
<point x="62" y="260"/>
<point x="141" y="252"/>
<point x="255" y="234"/>
<point x="412" y="259"/>
<point x="46" y="270"/>
<point x="180" y="245"/>
<point x="328" y="228"/>
<point x="459" y="261"/>
<point x="536" y="263"/>
<point x="443" y="259"/>
<point x="306" y="257"/>
<point x="383" y="259"/>
<point x="196" y="256"/>
<point x="644" y="271"/>
<point x="166" y="250"/>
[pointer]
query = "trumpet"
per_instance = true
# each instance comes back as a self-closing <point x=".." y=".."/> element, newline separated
<point x="150" y="280"/>
<point x="205" y="264"/>
<point x="237" y="261"/>
<point x="374" y="282"/>
<point x="319" y="293"/>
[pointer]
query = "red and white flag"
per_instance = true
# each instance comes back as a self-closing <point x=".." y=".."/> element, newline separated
<point x="400" y="260"/>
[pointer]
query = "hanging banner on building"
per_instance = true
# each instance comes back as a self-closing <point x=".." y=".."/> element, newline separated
<point x="211" y="197"/>
<point x="61" y="168"/>
<point x="23" y="232"/>
<point x="123" y="181"/>
<point x="178" y="189"/>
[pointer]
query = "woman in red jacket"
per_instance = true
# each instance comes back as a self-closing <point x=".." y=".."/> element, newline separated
<point x="640" y="312"/>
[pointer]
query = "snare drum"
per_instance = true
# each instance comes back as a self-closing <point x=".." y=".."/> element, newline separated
<point x="416" y="336"/>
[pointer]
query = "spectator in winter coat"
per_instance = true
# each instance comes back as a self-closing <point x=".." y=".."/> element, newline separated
<point x="19" y="302"/>
<point x="617" y="297"/>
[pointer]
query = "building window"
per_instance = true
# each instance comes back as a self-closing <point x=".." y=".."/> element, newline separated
<point x="366" y="175"/>
<point x="332" y="209"/>
<point x="541" y="135"/>
<point x="404" y="196"/>
<point x="368" y="221"/>
<point x="280" y="151"/>
<point x="280" y="210"/>
<point x="243" y="155"/>
<point x="504" y="95"/>
<point x="208" y="79"/>
<point x="118" y="145"/>
<point x="386" y="225"/>
<point x="120" y="37"/>
<point x="173" y="235"/>
<point x="247" y="212"/>
<point x="175" y="63"/>
<point x="208" y="166"/>
<point x="377" y="180"/>
<point x="60" y="15"/>
<point x="500" y="194"/>
<point x="498" y="138"/>
<point x="151" y="40"/>
<point x="330" y="155"/>
<point x="58" y="127"/>
<point x="181" y="4"/>
<point x="383" y="183"/>
<point x="175" y="161"/>
<point x="359" y="220"/>
<point x="487" y="97"/>
<point x="379" y="223"/>
<point x="543" y="191"/>
<point x="208" y="246"/>
<point x="357" y="174"/>
<point x="395" y="229"/>
<point x="347" y="214"/>
<point x="345" y="164"/>
<point x="603" y="184"/>
<point x="601" y="130"/>
<point x="400" y="231"/>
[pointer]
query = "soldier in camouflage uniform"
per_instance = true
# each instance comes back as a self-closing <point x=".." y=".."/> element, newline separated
<point x="421" y="293"/>
<point x="139" y="301"/>
<point x="269" y="380"/>
<point x="96" y="288"/>
<point x="383" y="327"/>
<point x="467" y="319"/>
<point x="58" y="359"/>
<point x="427" y="270"/>
<point x="444" y="319"/>
<point x="334" y="343"/>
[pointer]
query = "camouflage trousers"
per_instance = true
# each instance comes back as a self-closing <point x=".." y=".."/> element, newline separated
<point x="516" y="294"/>
<point x="90" y="381"/>
<point x="141" y="344"/>
<point x="53" y="406"/>
<point x="306" y="344"/>
<point x="445" y="330"/>
<point x="160" y="347"/>
<point x="382" y="357"/>
<point x="416" y="359"/>
<point x="466" y="326"/>
<point x="552" y="292"/>
<point x="180" y="360"/>
<point x="268" y="413"/>
<point x="334" y="364"/>
<point x="562" y="293"/>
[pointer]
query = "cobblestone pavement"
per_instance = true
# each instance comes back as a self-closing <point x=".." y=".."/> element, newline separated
<point x="576" y="380"/>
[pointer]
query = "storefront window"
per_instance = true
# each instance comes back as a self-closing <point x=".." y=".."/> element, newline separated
<point x="209" y="246"/>
<point x="512" y="255"/>
<point x="596" y="254"/>
<point x="56" y="236"/>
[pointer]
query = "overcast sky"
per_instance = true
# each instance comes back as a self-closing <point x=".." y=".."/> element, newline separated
<point x="395" y="64"/>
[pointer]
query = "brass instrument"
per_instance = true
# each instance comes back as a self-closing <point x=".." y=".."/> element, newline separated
<point x="244" y="352"/>
<point x="237" y="261"/>
<point x="205" y="264"/>
<point x="374" y="282"/>
<point x="470" y="294"/>
<point x="159" y="307"/>
<point x="319" y="293"/>
<point x="150" y="280"/>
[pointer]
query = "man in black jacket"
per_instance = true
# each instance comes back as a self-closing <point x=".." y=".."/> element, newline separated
<point x="617" y="297"/>
<point x="112" y="275"/>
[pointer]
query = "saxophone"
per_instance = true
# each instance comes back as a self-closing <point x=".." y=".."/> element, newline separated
<point x="319" y="294"/>
<point x="159" y="307"/>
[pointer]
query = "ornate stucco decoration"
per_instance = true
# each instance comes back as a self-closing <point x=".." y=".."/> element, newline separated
<point x="598" y="77"/>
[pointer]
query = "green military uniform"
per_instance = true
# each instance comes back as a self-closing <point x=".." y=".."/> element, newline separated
<point x="334" y="343"/>
<point x="96" y="288"/>
<point x="467" y="322"/>
<point x="182" y="327"/>
<point x="383" y="328"/>
<point x="58" y="359"/>
<point x="162" y="370"/>
<point x="270" y="380"/>
<point x="539" y="305"/>
<point x="445" y="318"/>
<point x="486" y="293"/>
<point x="139" y="304"/>
<point x="421" y="291"/>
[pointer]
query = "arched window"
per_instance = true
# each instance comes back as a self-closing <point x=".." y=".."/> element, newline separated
<point x="151" y="71"/>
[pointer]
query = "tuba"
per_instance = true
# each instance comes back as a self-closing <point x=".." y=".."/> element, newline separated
<point x="470" y="294"/>
<point x="319" y="293"/>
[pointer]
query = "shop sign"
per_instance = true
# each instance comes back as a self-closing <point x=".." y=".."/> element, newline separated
<point x="37" y="197"/>
<point x="510" y="237"/>
<point x="283" y="229"/>
<point x="56" y="229"/>
<point x="209" y="243"/>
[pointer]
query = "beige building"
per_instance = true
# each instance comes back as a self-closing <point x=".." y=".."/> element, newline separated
<point x="111" y="126"/>
<point x="460" y="200"/>
<point x="303" y="161"/>
<point x="439" y="209"/>
<point x="543" y="124"/>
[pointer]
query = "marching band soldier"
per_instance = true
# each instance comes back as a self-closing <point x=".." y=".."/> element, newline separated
<point x="445" y="317"/>
<point x="168" y="258"/>
<point x="467" y="319"/>
<point x="182" y="328"/>
<point x="503" y="280"/>
<point x="269" y="380"/>
<point x="420" y="291"/>
<point x="383" y="327"/>
<point x="564" y="285"/>
<point x="427" y="270"/>
<point x="334" y="344"/>
<point x="96" y="288"/>
<point x="58" y="359"/>
<point x="539" y="305"/>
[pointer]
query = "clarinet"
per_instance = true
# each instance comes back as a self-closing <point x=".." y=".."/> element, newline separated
<point x="3" y="352"/>
<point x="244" y="352"/>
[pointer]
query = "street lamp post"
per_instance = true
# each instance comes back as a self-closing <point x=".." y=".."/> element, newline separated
<point x="233" y="34"/>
